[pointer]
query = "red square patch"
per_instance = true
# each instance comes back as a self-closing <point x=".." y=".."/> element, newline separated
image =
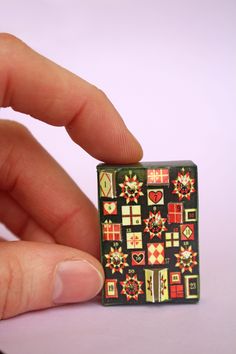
<point x="111" y="232"/>
<point x="158" y="176"/>
<point x="176" y="291"/>
<point x="175" y="213"/>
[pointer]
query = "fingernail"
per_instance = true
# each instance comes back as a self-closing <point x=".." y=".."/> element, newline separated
<point x="76" y="281"/>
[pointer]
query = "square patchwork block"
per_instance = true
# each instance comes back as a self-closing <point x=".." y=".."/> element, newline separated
<point x="111" y="231"/>
<point x="138" y="258"/>
<point x="155" y="196"/>
<point x="111" y="288"/>
<point x="149" y="232"/>
<point x="191" y="214"/>
<point x="134" y="240"/>
<point x="107" y="186"/>
<point x="175" y="278"/>
<point x="158" y="176"/>
<point x="109" y="208"/>
<point x="156" y="253"/>
<point x="176" y="291"/>
<point x="131" y="215"/>
<point x="175" y="213"/>
<point x="172" y="239"/>
<point x="187" y="232"/>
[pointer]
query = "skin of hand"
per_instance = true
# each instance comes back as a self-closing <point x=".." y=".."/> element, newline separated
<point x="55" y="259"/>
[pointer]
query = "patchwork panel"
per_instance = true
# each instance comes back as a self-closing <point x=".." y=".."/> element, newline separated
<point x="149" y="232"/>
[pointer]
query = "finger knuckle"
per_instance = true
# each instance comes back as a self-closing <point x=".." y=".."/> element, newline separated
<point x="11" y="294"/>
<point x="14" y="141"/>
<point x="8" y="44"/>
<point x="101" y="94"/>
<point x="13" y="132"/>
<point x="9" y="52"/>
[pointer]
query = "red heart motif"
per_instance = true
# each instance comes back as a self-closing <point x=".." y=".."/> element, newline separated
<point x="155" y="197"/>
<point x="138" y="257"/>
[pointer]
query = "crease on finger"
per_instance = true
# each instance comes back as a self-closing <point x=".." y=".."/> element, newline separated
<point x="19" y="222"/>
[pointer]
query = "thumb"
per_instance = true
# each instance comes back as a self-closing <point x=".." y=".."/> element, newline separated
<point x="37" y="275"/>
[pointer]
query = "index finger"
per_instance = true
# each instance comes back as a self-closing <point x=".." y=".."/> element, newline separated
<point x="32" y="84"/>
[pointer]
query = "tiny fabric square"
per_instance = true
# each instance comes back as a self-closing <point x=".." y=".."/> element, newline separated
<point x="155" y="196"/>
<point x="191" y="214"/>
<point x="131" y="214"/>
<point x="156" y="253"/>
<point x="175" y="213"/>
<point x="157" y="176"/>
<point x="176" y="291"/>
<point x="172" y="239"/>
<point x="134" y="240"/>
<point x="175" y="277"/>
<point x="191" y="286"/>
<point x="138" y="258"/>
<point x="111" y="288"/>
<point x="109" y="208"/>
<point x="107" y="184"/>
<point x="111" y="232"/>
<point x="187" y="232"/>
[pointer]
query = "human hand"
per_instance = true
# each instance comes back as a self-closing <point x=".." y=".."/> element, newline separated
<point x="55" y="260"/>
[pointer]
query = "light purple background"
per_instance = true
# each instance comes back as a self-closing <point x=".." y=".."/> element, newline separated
<point x="169" y="68"/>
